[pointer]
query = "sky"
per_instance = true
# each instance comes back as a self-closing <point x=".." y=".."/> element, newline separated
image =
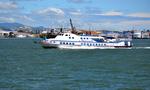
<point x="86" y="14"/>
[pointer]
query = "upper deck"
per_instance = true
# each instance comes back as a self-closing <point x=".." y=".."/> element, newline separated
<point x="74" y="37"/>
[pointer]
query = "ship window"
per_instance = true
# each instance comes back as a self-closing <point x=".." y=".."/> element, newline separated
<point x="86" y="38"/>
<point x="53" y="41"/>
<point x="81" y="37"/>
<point x="60" y="42"/>
<point x="69" y="37"/>
<point x="66" y="35"/>
<point x="72" y="37"/>
<point x="60" y="34"/>
<point x="66" y="43"/>
<point x="98" y="40"/>
<point x="63" y="42"/>
<point x="69" y="43"/>
<point x="72" y="43"/>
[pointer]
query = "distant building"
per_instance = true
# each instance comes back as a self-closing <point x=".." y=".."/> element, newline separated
<point x="127" y="34"/>
<point x="86" y="32"/>
<point x="141" y="34"/>
<point x="44" y="32"/>
<point x="113" y="34"/>
<point x="4" y="33"/>
<point x="145" y="35"/>
<point x="137" y="34"/>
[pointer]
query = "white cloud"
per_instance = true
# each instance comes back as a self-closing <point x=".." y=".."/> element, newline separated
<point x="51" y="10"/>
<point x="7" y="19"/>
<point x="24" y="17"/>
<point x="143" y="15"/>
<point x="126" y="25"/>
<point x="136" y="23"/>
<point x="8" y="5"/>
<point x="77" y="13"/>
<point x="112" y="13"/>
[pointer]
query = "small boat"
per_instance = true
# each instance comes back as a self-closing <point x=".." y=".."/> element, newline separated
<point x="70" y="40"/>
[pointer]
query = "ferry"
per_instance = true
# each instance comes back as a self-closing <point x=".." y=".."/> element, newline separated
<point x="70" y="40"/>
<point x="73" y="40"/>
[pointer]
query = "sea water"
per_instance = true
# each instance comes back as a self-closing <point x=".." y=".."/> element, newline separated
<point x="25" y="65"/>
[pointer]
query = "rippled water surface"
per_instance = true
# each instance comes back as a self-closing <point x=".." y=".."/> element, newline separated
<point x="25" y="65"/>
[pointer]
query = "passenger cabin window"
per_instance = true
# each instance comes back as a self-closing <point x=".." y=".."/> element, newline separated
<point x="98" y="40"/>
<point x="61" y="34"/>
<point x="66" y="35"/>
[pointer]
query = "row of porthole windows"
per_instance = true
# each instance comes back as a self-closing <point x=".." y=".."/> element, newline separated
<point x="67" y="35"/>
<point x="71" y="37"/>
<point x="52" y="41"/>
<point x="67" y="43"/>
<point x="84" y="38"/>
<point x="92" y="44"/>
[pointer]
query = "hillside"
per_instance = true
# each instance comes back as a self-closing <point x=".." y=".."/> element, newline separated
<point x="10" y="26"/>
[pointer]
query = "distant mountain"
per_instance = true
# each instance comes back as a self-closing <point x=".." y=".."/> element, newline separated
<point x="16" y="27"/>
<point x="10" y="26"/>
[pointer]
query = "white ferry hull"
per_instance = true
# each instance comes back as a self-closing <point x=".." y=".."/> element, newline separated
<point x="48" y="45"/>
<point x="83" y="47"/>
<point x="72" y="41"/>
